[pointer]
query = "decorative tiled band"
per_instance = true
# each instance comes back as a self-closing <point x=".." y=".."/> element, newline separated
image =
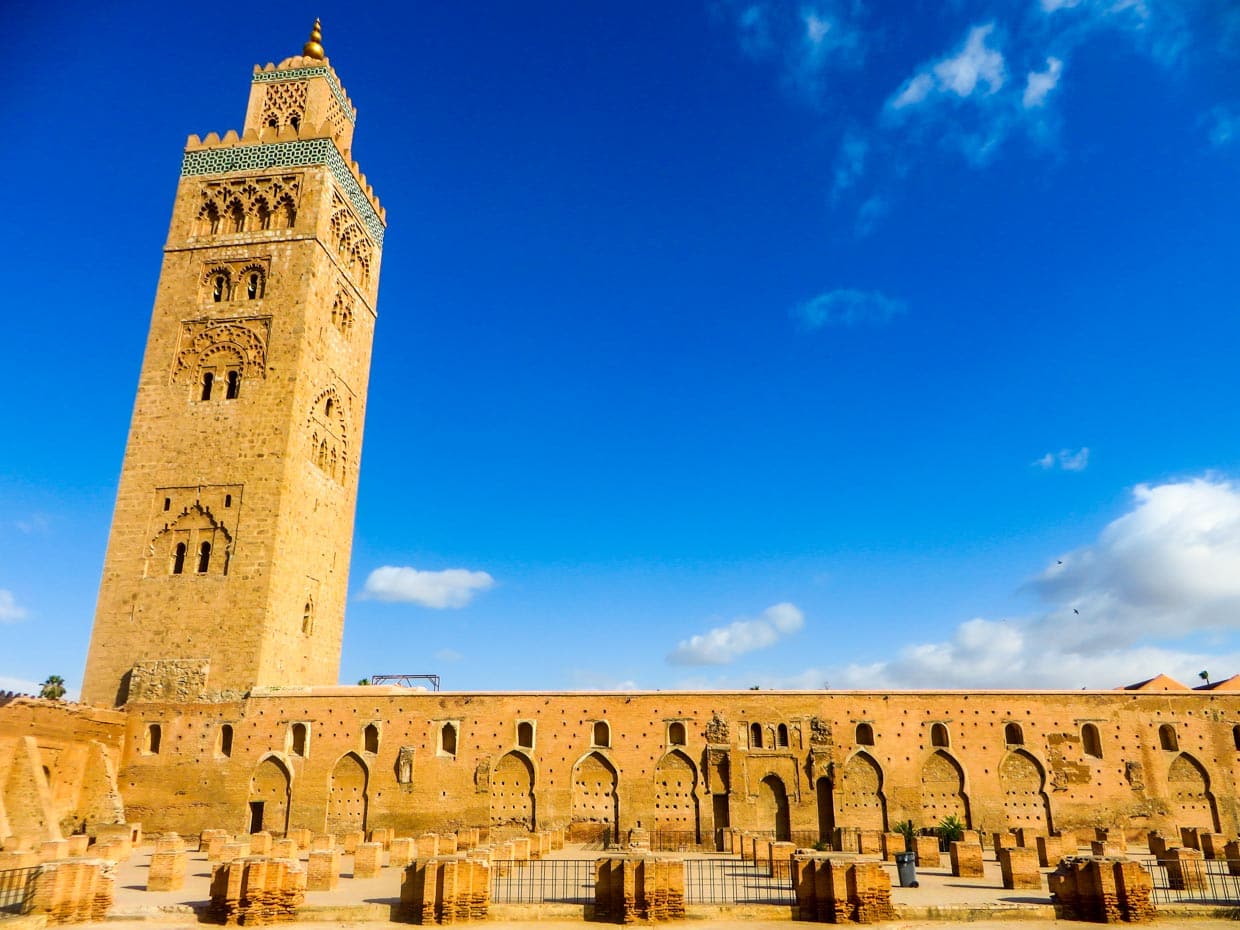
<point x="299" y="153"/>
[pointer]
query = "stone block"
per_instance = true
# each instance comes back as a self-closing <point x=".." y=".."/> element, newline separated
<point x="1019" y="867"/>
<point x="520" y="849"/>
<point x="1001" y="841"/>
<point x="1067" y="841"/>
<point x="212" y="843"/>
<point x="966" y="859"/>
<point x="780" y="857"/>
<point x="929" y="855"/>
<point x="368" y="860"/>
<point x="428" y="846"/>
<point x="170" y="843"/>
<point x="53" y="849"/>
<point x="321" y="842"/>
<point x="1190" y="838"/>
<point x="234" y="851"/>
<point x="301" y="836"/>
<point x="323" y="869"/>
<point x="167" y="871"/>
<point x="893" y="843"/>
<point x="78" y="844"/>
<point x="1050" y="850"/>
<point x="870" y="842"/>
<point x="1026" y="838"/>
<point x="1232" y="851"/>
<point x="256" y="891"/>
<point x="1186" y="869"/>
<point x="447" y="844"/>
<point x="1212" y="845"/>
<point x="1105" y="848"/>
<point x="351" y="840"/>
<point x="403" y="852"/>
<point x="72" y="891"/>
<point x="284" y="849"/>
<point x="260" y="843"/>
<point x="383" y="836"/>
<point x="1159" y="844"/>
<point x="845" y="840"/>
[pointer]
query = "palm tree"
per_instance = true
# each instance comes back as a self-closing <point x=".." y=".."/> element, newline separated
<point x="53" y="688"/>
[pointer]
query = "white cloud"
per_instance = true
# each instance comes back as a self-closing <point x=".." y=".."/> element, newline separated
<point x="1117" y="611"/>
<point x="10" y="610"/>
<point x="806" y="41"/>
<point x="975" y="67"/>
<point x="850" y="160"/>
<point x="448" y="655"/>
<point x="1040" y="83"/>
<point x="1065" y="459"/>
<point x="20" y="685"/>
<point x="723" y="644"/>
<point x="452" y="587"/>
<point x="1224" y="125"/>
<point x="847" y="307"/>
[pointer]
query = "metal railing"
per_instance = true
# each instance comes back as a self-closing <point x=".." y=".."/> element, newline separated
<point x="732" y="881"/>
<point x="564" y="881"/>
<point x="673" y="840"/>
<point x="15" y="886"/>
<point x="1203" y="881"/>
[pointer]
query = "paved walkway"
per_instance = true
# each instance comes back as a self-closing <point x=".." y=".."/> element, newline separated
<point x="367" y="903"/>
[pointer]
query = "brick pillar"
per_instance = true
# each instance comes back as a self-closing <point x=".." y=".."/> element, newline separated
<point x="928" y="853"/>
<point x="260" y="843"/>
<point x="447" y="844"/>
<point x="322" y="841"/>
<point x="1232" y="851"/>
<point x="53" y="849"/>
<point x="368" y="860"/>
<point x="893" y="843"/>
<point x="1189" y="838"/>
<point x="72" y="891"/>
<point x="780" y="857"/>
<point x="966" y="860"/>
<point x="1212" y="845"/>
<point x="870" y="842"/>
<point x="1136" y="891"/>
<point x="212" y="843"/>
<point x="1019" y="867"/>
<point x="1026" y="838"/>
<point x="78" y="844"/>
<point x="428" y="845"/>
<point x="1050" y="850"/>
<point x="167" y="871"/>
<point x="1000" y="841"/>
<point x="301" y="836"/>
<point x="351" y="840"/>
<point x="284" y="849"/>
<point x="234" y="851"/>
<point x="1186" y="869"/>
<point x="520" y="848"/>
<point x="383" y="836"/>
<point x="871" y="892"/>
<point x="403" y="852"/>
<point x="323" y="870"/>
<point x="1067" y="841"/>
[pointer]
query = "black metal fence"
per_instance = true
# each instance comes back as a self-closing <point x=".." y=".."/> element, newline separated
<point x="1199" y="881"/>
<point x="733" y="881"/>
<point x="673" y="840"/>
<point x="15" y="886"/>
<point x="563" y="881"/>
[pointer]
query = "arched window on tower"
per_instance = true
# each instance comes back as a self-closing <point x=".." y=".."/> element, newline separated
<point x="938" y="736"/>
<point x="781" y="736"/>
<point x="602" y="734"/>
<point x="676" y="734"/>
<point x="865" y="734"/>
<point x="307" y="618"/>
<point x="219" y="287"/>
<point x="525" y="734"/>
<point x="370" y="738"/>
<point x="1013" y="735"/>
<point x="226" y="739"/>
<point x="447" y="739"/>
<point x="755" y="736"/>
<point x="236" y="217"/>
<point x="208" y="382"/>
<point x="1091" y="743"/>
<point x="233" y="385"/>
<point x="178" y="559"/>
<point x="204" y="557"/>
<point x="1167" y="738"/>
<point x="154" y="736"/>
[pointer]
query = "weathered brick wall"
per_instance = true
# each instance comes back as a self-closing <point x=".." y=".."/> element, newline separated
<point x="413" y="784"/>
<point x="57" y="767"/>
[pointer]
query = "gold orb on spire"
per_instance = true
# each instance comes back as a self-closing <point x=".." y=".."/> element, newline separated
<point x="314" y="48"/>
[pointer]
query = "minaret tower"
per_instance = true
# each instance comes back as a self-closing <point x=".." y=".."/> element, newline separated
<point x="228" y="559"/>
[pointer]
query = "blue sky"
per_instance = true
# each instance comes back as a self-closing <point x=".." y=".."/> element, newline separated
<point x="720" y="343"/>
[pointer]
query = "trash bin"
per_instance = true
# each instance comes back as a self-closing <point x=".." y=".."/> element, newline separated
<point x="906" y="867"/>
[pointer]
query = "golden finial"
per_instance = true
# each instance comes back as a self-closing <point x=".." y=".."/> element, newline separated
<point x="314" y="48"/>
